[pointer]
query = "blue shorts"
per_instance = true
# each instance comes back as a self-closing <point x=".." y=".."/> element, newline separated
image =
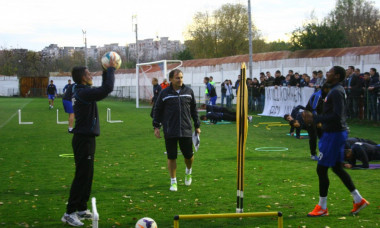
<point x="51" y="97"/>
<point x="68" y="106"/>
<point x="331" y="148"/>
<point x="213" y="100"/>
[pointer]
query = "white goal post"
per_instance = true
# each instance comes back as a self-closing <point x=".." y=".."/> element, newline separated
<point x="150" y="65"/>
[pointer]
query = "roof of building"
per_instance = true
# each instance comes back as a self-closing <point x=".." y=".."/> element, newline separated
<point x="278" y="55"/>
<point x="314" y="53"/>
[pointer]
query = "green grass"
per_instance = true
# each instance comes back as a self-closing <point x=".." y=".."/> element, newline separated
<point x="131" y="180"/>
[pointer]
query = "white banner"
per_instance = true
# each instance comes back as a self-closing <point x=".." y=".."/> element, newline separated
<point x="281" y="100"/>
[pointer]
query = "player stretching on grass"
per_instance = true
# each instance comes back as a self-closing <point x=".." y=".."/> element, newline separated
<point x="331" y="144"/>
<point x="83" y="143"/>
<point x="174" y="109"/>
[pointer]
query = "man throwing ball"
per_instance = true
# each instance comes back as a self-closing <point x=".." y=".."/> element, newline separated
<point x="174" y="109"/>
<point x="331" y="144"/>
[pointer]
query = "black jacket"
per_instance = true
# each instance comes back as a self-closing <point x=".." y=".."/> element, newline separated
<point x="297" y="115"/>
<point x="69" y="92"/>
<point x="365" y="153"/>
<point x="156" y="91"/>
<point x="356" y="86"/>
<point x="84" y="104"/>
<point x="174" y="112"/>
<point x="333" y="117"/>
<point x="278" y="80"/>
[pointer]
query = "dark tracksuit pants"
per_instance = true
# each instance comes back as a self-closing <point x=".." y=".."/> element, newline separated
<point x="229" y="116"/>
<point x="84" y="151"/>
<point x="314" y="133"/>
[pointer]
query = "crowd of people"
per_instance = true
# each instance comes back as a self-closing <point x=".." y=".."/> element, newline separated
<point x="362" y="90"/>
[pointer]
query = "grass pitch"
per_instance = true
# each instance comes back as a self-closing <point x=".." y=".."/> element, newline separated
<point x="131" y="180"/>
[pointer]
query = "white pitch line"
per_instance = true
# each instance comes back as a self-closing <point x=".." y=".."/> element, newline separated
<point x="10" y="118"/>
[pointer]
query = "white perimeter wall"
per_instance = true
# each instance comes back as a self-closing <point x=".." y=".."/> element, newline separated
<point x="194" y="75"/>
<point x="9" y="86"/>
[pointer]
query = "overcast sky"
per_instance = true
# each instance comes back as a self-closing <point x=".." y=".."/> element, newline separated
<point x="34" y="24"/>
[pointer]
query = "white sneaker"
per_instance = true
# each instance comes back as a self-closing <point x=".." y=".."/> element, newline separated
<point x="188" y="179"/>
<point x="71" y="219"/>
<point x="173" y="187"/>
<point x="84" y="215"/>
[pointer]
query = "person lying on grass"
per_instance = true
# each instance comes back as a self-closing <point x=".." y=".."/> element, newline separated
<point x="351" y="141"/>
<point x="214" y="117"/>
<point x="363" y="152"/>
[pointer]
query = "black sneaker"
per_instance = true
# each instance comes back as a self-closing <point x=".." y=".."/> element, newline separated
<point x="70" y="131"/>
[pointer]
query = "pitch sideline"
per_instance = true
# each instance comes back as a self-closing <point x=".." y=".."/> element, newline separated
<point x="14" y="114"/>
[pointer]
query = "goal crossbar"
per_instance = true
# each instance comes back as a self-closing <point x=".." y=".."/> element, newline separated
<point x="165" y="73"/>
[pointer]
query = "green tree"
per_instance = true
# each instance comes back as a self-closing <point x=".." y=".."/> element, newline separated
<point x="183" y="55"/>
<point x="7" y="63"/>
<point x="232" y="29"/>
<point x="360" y="19"/>
<point x="318" y="36"/>
<point x="203" y="36"/>
<point x="222" y="33"/>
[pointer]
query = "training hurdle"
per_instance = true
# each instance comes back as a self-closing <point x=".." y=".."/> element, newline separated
<point x="19" y="118"/>
<point x="280" y="221"/>
<point x="109" y="120"/>
<point x="95" y="215"/>
<point x="61" y="122"/>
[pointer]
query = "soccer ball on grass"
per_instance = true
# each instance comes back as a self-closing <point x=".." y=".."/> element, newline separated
<point x="146" y="223"/>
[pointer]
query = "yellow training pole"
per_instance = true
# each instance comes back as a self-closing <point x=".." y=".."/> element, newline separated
<point x="241" y="130"/>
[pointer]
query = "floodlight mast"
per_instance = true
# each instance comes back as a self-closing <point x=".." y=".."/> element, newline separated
<point x="134" y="20"/>
<point x="85" y="46"/>
<point x="250" y="39"/>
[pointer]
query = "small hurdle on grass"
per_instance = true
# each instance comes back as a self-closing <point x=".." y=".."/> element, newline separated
<point x="109" y="120"/>
<point x="95" y="215"/>
<point x="280" y="221"/>
<point x="19" y="118"/>
<point x="61" y="122"/>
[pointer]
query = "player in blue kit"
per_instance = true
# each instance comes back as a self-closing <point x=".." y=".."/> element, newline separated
<point x="67" y="104"/>
<point x="331" y="144"/>
<point x="51" y="92"/>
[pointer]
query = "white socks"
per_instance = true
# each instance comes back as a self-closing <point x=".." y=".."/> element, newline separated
<point x="70" y="128"/>
<point x="356" y="195"/>
<point x="174" y="180"/>
<point x="323" y="202"/>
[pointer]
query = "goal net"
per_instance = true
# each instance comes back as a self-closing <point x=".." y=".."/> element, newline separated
<point x="145" y="72"/>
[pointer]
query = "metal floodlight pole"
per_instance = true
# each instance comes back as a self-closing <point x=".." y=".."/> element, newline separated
<point x="85" y="46"/>
<point x="250" y="39"/>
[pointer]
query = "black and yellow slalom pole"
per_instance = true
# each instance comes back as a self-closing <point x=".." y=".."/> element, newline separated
<point x="241" y="130"/>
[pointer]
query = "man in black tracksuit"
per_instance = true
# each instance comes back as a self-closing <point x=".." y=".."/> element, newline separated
<point x="214" y="117"/>
<point x="174" y="109"/>
<point x="296" y="122"/>
<point x="214" y="108"/>
<point x="351" y="141"/>
<point x="363" y="152"/>
<point x="83" y="143"/>
<point x="315" y="106"/>
<point x="156" y="91"/>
